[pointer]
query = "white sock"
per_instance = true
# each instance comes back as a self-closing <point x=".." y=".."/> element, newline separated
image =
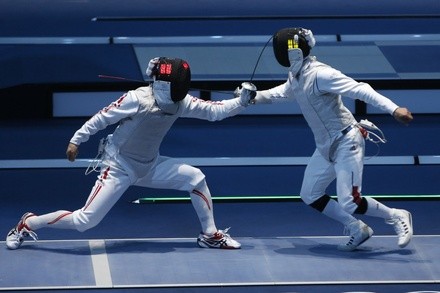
<point x="59" y="220"/>
<point x="336" y="212"/>
<point x="377" y="209"/>
<point x="202" y="203"/>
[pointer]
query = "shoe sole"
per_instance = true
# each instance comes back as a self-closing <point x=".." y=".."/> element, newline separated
<point x="202" y="244"/>
<point x="12" y="245"/>
<point x="410" y="231"/>
<point x="370" y="233"/>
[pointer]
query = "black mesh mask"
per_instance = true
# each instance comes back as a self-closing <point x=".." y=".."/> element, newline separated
<point x="280" y="43"/>
<point x="177" y="72"/>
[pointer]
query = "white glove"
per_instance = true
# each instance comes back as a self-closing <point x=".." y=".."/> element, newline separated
<point x="151" y="67"/>
<point x="309" y="37"/>
<point x="246" y="93"/>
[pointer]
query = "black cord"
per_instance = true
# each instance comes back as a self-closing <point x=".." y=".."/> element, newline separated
<point x="259" y="57"/>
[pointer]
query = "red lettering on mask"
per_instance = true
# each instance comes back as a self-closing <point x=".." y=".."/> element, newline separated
<point x="165" y="69"/>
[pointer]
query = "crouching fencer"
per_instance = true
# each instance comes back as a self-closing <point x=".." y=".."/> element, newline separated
<point x="339" y="138"/>
<point x="131" y="154"/>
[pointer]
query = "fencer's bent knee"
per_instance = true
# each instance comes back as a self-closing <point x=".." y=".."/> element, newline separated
<point x="84" y="220"/>
<point x="307" y="198"/>
<point x="362" y="207"/>
<point x="355" y="208"/>
<point x="320" y="203"/>
<point x="198" y="178"/>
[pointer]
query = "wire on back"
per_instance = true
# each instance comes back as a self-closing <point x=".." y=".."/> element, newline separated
<point x="259" y="57"/>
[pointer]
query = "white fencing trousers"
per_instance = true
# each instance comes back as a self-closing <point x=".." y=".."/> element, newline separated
<point x="346" y="167"/>
<point x="166" y="173"/>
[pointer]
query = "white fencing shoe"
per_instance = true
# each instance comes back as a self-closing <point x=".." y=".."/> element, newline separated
<point x="402" y="222"/>
<point x="16" y="236"/>
<point x="219" y="239"/>
<point x="359" y="232"/>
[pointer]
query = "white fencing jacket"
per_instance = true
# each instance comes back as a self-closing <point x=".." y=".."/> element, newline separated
<point x="142" y="125"/>
<point x="318" y="89"/>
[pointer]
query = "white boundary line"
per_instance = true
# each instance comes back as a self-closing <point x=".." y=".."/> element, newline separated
<point x="101" y="267"/>
<point x="220" y="161"/>
<point x="232" y="284"/>
<point x="102" y="241"/>
<point x="242" y="284"/>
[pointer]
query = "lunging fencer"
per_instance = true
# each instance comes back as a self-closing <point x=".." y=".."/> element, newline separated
<point x="339" y="138"/>
<point x="131" y="155"/>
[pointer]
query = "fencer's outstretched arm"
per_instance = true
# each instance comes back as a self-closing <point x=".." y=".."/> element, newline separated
<point x="124" y="107"/>
<point x="193" y="107"/>
<point x="276" y="94"/>
<point x="403" y="115"/>
<point x="331" y="80"/>
<point x="72" y="151"/>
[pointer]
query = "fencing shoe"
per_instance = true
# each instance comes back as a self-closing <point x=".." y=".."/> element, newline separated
<point x="402" y="222"/>
<point x="17" y="234"/>
<point x="359" y="232"/>
<point x="219" y="239"/>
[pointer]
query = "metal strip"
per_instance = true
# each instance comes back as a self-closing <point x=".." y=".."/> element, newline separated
<point x="218" y="162"/>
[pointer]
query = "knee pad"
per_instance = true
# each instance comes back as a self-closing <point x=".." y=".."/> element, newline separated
<point x="84" y="221"/>
<point x="320" y="203"/>
<point x="201" y="186"/>
<point x="197" y="179"/>
<point x="362" y="207"/>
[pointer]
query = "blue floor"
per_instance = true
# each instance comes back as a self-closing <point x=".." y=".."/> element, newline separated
<point x="177" y="262"/>
<point x="287" y="247"/>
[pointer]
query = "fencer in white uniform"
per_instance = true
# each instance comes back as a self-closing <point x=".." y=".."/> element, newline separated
<point x="339" y="138"/>
<point x="132" y="158"/>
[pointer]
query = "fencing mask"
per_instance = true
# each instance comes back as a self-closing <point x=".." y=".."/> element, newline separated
<point x="177" y="72"/>
<point x="172" y="78"/>
<point x="299" y="39"/>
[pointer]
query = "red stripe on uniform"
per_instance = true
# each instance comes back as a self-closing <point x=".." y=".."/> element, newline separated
<point x="24" y="222"/>
<point x="203" y="197"/>
<point x="103" y="177"/>
<point x="93" y="197"/>
<point x="59" y="218"/>
<point x="116" y="104"/>
<point x="357" y="198"/>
